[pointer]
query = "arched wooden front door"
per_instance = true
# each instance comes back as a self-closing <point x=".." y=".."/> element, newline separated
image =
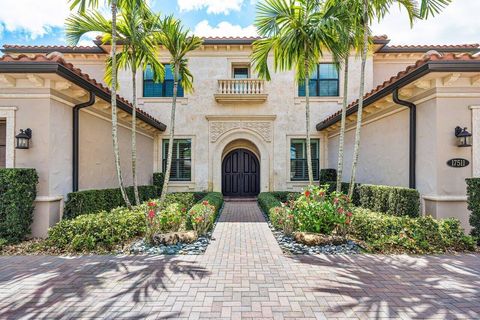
<point x="240" y="174"/>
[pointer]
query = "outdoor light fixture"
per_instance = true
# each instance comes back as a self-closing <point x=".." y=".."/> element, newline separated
<point x="23" y="138"/>
<point x="463" y="136"/>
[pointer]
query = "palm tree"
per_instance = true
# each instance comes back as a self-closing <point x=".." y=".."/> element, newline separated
<point x="114" y="4"/>
<point x="178" y="42"/>
<point x="134" y="31"/>
<point x="296" y="31"/>
<point x="377" y="9"/>
<point x="350" y="38"/>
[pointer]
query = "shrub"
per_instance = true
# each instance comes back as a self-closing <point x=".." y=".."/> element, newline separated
<point x="392" y="200"/>
<point x="202" y="217"/>
<point x="92" y="201"/>
<point x="101" y="231"/>
<point x="387" y="233"/>
<point x="213" y="200"/>
<point x="282" y="218"/>
<point x="185" y="200"/>
<point x="327" y="175"/>
<point x="473" y="192"/>
<point x="332" y="187"/>
<point x="158" y="178"/>
<point x="267" y="201"/>
<point x="318" y="211"/>
<point x="18" y="189"/>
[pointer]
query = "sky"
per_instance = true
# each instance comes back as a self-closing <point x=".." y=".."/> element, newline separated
<point x="40" y="22"/>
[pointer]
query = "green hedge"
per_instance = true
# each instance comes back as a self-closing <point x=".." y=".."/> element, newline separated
<point x="101" y="231"/>
<point x="332" y="186"/>
<point x="158" y="178"/>
<point x="473" y="192"/>
<point x="396" y="201"/>
<point x="18" y="189"/>
<point x="92" y="201"/>
<point x="327" y="175"/>
<point x="393" y="234"/>
<point x="267" y="201"/>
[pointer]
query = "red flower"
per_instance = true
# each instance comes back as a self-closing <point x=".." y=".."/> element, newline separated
<point x="205" y="203"/>
<point x="349" y="214"/>
<point x="307" y="194"/>
<point x="151" y="214"/>
<point x="340" y="210"/>
<point x="335" y="200"/>
<point x="184" y="209"/>
<point x="152" y="204"/>
<point x="321" y="193"/>
<point x="347" y="221"/>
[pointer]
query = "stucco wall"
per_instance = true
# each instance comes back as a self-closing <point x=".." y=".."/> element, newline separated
<point x="97" y="168"/>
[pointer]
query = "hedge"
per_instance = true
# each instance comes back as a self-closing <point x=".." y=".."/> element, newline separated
<point x="267" y="201"/>
<point x="158" y="178"/>
<point x="396" y="201"/>
<point x="18" y="189"/>
<point x="92" y="201"/>
<point x="332" y="186"/>
<point x="473" y="192"/>
<point x="327" y="175"/>
<point x="214" y="198"/>
<point x="393" y="234"/>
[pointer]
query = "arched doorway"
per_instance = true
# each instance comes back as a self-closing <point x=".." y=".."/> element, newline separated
<point x="240" y="173"/>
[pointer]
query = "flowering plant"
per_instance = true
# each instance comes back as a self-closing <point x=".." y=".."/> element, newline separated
<point x="160" y="220"/>
<point x="202" y="217"/>
<point x="283" y="217"/>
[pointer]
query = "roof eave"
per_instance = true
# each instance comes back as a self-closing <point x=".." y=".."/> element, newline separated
<point x="430" y="66"/>
<point x="55" y="67"/>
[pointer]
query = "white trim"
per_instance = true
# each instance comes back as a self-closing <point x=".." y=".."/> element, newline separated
<point x="440" y="198"/>
<point x="9" y="114"/>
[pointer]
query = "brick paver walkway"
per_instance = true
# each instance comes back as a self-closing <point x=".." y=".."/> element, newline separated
<point x="243" y="274"/>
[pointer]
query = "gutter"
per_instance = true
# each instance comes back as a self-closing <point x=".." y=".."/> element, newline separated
<point x="76" y="134"/>
<point x="412" y="137"/>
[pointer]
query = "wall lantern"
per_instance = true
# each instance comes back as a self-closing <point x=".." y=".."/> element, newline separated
<point x="464" y="138"/>
<point x="23" y="138"/>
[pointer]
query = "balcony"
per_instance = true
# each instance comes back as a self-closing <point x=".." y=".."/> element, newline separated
<point x="241" y="90"/>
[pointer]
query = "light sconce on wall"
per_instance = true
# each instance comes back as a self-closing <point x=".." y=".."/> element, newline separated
<point x="464" y="138"/>
<point x="23" y="139"/>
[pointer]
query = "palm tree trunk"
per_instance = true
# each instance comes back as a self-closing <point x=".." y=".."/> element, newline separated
<point x="134" y="128"/>
<point x="360" y="100"/>
<point x="113" y="90"/>
<point x="341" y="141"/>
<point x="172" y="133"/>
<point x="307" y="123"/>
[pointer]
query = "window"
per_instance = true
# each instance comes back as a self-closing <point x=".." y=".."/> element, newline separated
<point x="181" y="161"/>
<point x="324" y="82"/>
<point x="159" y="89"/>
<point x="240" y="73"/>
<point x="3" y="143"/>
<point x="298" y="159"/>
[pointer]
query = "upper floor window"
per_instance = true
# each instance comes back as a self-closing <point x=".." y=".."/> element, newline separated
<point x="240" y="72"/>
<point x="298" y="159"/>
<point x="324" y="82"/>
<point x="159" y="89"/>
<point x="181" y="169"/>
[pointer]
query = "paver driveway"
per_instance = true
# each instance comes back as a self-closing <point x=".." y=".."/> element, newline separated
<point x="243" y="274"/>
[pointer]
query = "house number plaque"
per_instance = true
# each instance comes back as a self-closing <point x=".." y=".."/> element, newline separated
<point x="458" y="163"/>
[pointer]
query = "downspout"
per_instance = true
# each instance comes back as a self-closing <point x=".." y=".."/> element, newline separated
<point x="412" y="138"/>
<point x="75" y="152"/>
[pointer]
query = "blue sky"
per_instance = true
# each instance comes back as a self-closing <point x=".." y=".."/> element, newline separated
<point x="41" y="21"/>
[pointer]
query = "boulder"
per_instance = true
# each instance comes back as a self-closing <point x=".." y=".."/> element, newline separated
<point x="170" y="238"/>
<point x="317" y="239"/>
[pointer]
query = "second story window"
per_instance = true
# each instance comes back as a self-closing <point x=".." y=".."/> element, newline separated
<point x="324" y="82"/>
<point x="159" y="89"/>
<point x="240" y="73"/>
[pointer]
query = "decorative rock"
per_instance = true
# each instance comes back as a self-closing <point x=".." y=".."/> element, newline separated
<point x="172" y="238"/>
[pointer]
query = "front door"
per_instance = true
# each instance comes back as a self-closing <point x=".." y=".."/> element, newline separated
<point x="240" y="174"/>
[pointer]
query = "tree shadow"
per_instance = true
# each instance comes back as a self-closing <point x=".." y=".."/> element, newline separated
<point x="93" y="286"/>
<point x="378" y="286"/>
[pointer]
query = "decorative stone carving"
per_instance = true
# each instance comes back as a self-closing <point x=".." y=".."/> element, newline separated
<point x="262" y="128"/>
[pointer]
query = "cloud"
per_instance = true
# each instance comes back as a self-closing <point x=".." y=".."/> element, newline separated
<point x="212" y="6"/>
<point x="458" y="23"/>
<point x="33" y="17"/>
<point x="224" y="29"/>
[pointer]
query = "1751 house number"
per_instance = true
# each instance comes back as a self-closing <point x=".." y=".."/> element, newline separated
<point x="458" y="163"/>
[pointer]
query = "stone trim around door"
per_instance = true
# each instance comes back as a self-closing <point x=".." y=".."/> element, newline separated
<point x="8" y="113"/>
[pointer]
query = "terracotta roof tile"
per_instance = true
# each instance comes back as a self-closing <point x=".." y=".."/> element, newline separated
<point x="437" y="46"/>
<point x="19" y="46"/>
<point x="434" y="57"/>
<point x="40" y="58"/>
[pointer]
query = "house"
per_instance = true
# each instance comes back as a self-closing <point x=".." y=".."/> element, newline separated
<point x="241" y="135"/>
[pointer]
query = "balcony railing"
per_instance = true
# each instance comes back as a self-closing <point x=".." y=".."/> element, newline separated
<point x="238" y="90"/>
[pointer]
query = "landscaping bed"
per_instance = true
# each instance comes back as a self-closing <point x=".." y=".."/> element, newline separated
<point x="318" y="221"/>
<point x="120" y="231"/>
